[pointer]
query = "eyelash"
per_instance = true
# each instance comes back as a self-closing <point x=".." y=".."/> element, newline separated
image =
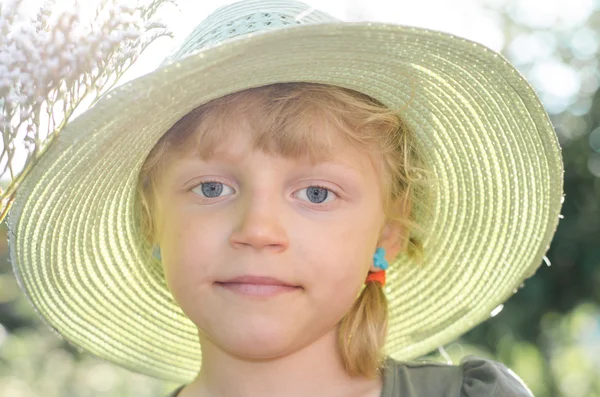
<point x="329" y="190"/>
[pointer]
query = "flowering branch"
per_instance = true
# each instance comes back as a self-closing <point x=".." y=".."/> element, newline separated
<point x="49" y="66"/>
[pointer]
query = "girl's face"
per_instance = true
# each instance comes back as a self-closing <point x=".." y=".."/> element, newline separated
<point x="314" y="226"/>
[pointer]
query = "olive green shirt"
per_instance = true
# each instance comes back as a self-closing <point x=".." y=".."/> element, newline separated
<point x="473" y="377"/>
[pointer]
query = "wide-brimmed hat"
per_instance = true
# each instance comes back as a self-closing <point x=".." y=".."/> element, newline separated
<point x="75" y="245"/>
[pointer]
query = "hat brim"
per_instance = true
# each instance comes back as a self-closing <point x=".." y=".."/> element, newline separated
<point x="485" y="136"/>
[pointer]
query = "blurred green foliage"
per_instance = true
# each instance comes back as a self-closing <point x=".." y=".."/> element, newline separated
<point x="548" y="333"/>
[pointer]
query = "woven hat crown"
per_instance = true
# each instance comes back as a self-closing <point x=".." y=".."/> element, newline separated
<point x="246" y="17"/>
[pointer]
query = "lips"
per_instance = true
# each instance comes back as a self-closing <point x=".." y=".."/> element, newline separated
<point x="258" y="280"/>
<point x="257" y="286"/>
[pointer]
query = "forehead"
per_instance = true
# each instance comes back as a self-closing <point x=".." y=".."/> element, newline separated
<point x="235" y="149"/>
<point x="230" y="129"/>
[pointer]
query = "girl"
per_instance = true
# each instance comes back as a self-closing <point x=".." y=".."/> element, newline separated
<point x="291" y="205"/>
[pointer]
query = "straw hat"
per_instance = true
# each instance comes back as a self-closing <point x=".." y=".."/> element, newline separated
<point x="485" y="135"/>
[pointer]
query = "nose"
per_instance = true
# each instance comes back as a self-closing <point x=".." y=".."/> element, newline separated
<point x="260" y="225"/>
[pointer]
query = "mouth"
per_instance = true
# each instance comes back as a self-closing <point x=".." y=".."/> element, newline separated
<point x="257" y="286"/>
<point x="263" y="290"/>
<point x="259" y="280"/>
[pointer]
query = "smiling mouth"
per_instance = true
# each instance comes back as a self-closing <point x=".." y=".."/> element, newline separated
<point x="258" y="290"/>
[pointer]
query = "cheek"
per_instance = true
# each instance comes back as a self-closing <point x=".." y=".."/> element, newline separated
<point x="355" y="241"/>
<point x="187" y="246"/>
<point x="339" y="258"/>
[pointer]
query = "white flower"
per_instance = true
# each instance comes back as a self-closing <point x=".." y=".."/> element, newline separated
<point x="42" y="60"/>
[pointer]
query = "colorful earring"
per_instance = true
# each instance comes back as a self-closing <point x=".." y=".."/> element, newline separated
<point x="380" y="262"/>
<point x="379" y="259"/>
<point x="156" y="252"/>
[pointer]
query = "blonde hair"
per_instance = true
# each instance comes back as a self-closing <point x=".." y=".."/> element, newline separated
<point x="278" y="115"/>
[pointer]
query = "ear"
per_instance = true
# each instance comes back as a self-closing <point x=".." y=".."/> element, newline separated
<point x="393" y="236"/>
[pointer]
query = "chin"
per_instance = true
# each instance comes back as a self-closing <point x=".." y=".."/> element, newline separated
<point x="258" y="342"/>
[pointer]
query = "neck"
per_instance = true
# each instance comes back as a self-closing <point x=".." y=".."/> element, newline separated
<point x="315" y="370"/>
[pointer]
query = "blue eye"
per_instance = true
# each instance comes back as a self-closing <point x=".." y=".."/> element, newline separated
<point x="213" y="189"/>
<point x="317" y="194"/>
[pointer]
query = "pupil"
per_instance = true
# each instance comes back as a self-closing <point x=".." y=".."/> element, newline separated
<point x="317" y="194"/>
<point x="212" y="189"/>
